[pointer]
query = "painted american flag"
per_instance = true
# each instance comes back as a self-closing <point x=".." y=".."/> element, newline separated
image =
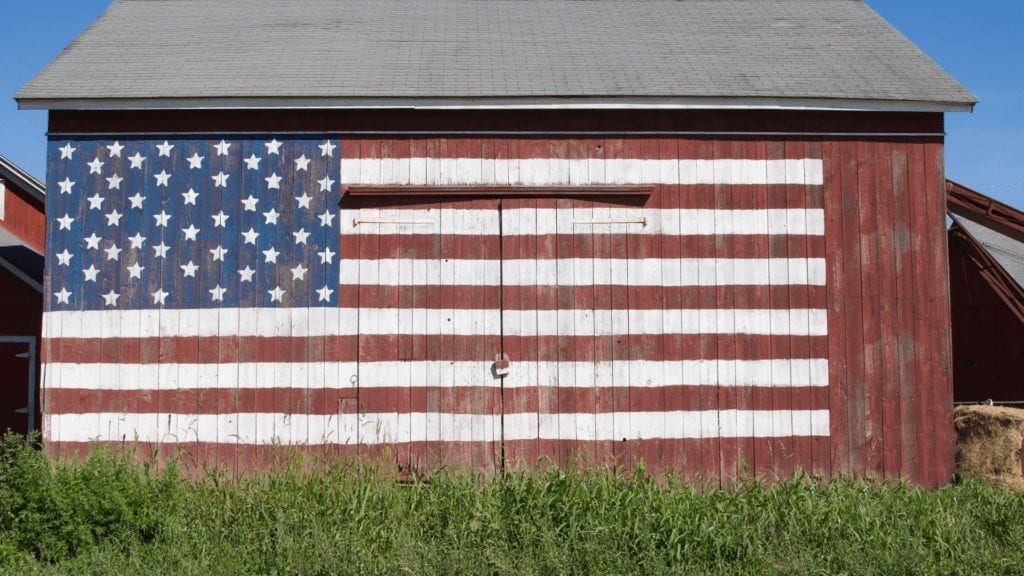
<point x="648" y="330"/>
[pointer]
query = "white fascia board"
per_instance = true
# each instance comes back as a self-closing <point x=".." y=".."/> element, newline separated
<point x="521" y="103"/>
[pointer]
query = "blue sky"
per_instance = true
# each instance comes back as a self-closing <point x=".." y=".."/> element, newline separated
<point x="980" y="43"/>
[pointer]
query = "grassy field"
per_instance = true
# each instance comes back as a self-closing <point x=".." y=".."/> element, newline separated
<point x="109" y="515"/>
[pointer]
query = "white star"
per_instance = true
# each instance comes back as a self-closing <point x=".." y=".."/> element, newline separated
<point x="246" y="274"/>
<point x="325" y="294"/>
<point x="326" y="256"/>
<point x="190" y="196"/>
<point x="273" y="181"/>
<point x="250" y="236"/>
<point x="160" y="250"/>
<point x="95" y="201"/>
<point x="114" y="218"/>
<point x="113" y="252"/>
<point x="217" y="293"/>
<point x="162" y="218"/>
<point x="220" y="180"/>
<point x="135" y="271"/>
<point x="110" y="298"/>
<point x="115" y="149"/>
<point x="137" y="160"/>
<point x="252" y="162"/>
<point x="189" y="269"/>
<point x="271" y="216"/>
<point x="327" y="218"/>
<point x="114" y="182"/>
<point x="270" y="255"/>
<point x="276" y="294"/>
<point x="136" y="200"/>
<point x="63" y="295"/>
<point x="301" y="236"/>
<point x="190" y="232"/>
<point x="195" y="161"/>
<point x="220" y="219"/>
<point x="65" y="185"/>
<point x="303" y="200"/>
<point x="165" y="148"/>
<point x="302" y="163"/>
<point x="162" y="178"/>
<point x="65" y="222"/>
<point x="273" y="147"/>
<point x="90" y="273"/>
<point x="250" y="203"/>
<point x="327" y="148"/>
<point x="95" y="166"/>
<point x="64" y="258"/>
<point x="93" y="242"/>
<point x="218" y="253"/>
<point x="137" y="240"/>
<point x="67" y="152"/>
<point x="325" y="184"/>
<point x="299" y="272"/>
<point x="222" y="148"/>
<point x="159" y="297"/>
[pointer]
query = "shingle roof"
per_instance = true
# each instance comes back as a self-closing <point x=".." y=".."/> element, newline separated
<point x="303" y="49"/>
<point x="1007" y="251"/>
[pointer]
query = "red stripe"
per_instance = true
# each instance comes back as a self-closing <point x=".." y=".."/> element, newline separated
<point x="434" y="246"/>
<point x="732" y="198"/>
<point x="376" y="348"/>
<point x="404" y="399"/>
<point x="595" y="297"/>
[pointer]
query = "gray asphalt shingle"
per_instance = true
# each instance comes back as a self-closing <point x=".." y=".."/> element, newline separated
<point x="817" y="49"/>
<point x="1008" y="251"/>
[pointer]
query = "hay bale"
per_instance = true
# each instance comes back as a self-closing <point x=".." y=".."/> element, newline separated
<point x="990" y="444"/>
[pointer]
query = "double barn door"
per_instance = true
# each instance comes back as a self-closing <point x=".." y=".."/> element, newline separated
<point x="497" y="333"/>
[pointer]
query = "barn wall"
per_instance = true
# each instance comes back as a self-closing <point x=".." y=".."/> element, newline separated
<point x="889" y="391"/>
<point x="987" y="336"/>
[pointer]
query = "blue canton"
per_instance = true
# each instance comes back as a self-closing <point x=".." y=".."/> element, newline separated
<point x="197" y="223"/>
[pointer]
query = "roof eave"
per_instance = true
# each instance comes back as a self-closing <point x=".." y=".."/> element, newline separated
<point x="498" y="103"/>
<point x="25" y="181"/>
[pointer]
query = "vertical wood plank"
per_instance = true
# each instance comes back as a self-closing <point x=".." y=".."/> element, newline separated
<point x="888" y="312"/>
<point x="923" y="419"/>
<point x="905" y="284"/>
<point x="942" y="391"/>
<point x="853" y="309"/>
<point x="819" y="348"/>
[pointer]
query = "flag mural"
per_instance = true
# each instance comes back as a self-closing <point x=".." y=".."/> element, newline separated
<point x="220" y="293"/>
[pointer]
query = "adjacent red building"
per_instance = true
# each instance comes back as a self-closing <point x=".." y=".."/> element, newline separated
<point x="22" y="239"/>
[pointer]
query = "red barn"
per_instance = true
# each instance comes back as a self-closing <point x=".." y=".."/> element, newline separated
<point x="707" y="235"/>
<point x="22" y="238"/>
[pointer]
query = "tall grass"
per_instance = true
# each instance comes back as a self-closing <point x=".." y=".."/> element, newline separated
<point x="109" y="515"/>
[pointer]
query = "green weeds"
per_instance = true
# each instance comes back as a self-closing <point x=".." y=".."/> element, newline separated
<point x="109" y="515"/>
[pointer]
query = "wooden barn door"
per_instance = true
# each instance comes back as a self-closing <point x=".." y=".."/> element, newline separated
<point x="567" y="287"/>
<point x="424" y="282"/>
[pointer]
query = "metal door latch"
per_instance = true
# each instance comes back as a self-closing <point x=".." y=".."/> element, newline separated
<point x="501" y="364"/>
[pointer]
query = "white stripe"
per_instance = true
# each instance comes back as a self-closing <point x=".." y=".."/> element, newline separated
<point x="396" y="428"/>
<point x="459" y="322"/>
<point x="688" y="222"/>
<point x="778" y="373"/>
<point x="616" y="272"/>
<point x="583" y="172"/>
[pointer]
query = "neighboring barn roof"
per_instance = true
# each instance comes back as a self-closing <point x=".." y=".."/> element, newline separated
<point x="1007" y="251"/>
<point x="689" y="53"/>
<point x="992" y="236"/>
<point x="23" y="180"/>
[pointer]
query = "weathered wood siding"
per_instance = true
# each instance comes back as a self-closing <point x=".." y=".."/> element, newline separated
<point x="616" y="357"/>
